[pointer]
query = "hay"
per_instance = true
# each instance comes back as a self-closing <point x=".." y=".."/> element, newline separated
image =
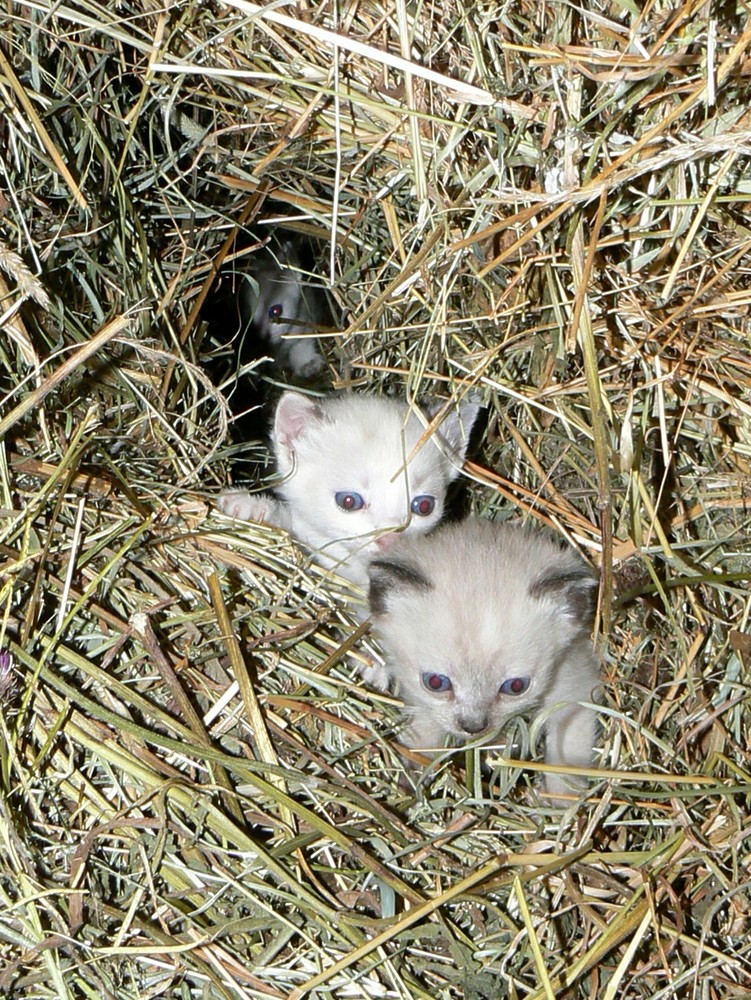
<point x="541" y="204"/>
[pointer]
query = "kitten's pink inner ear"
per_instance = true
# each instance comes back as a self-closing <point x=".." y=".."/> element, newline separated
<point x="294" y="414"/>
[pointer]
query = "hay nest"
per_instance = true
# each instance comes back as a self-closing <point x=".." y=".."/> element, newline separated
<point x="541" y="204"/>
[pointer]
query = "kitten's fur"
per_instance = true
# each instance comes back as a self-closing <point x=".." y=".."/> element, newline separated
<point x="479" y="604"/>
<point x="275" y="300"/>
<point x="360" y="447"/>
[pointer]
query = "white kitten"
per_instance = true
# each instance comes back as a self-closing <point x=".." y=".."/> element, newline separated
<point x="353" y="478"/>
<point x="275" y="299"/>
<point x="482" y="621"/>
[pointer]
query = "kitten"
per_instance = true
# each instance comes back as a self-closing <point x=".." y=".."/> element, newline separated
<point x="276" y="301"/>
<point x="482" y="621"/>
<point x="353" y="478"/>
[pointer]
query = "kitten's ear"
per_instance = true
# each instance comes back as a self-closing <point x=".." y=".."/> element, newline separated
<point x="572" y="587"/>
<point x="286" y="255"/>
<point x="456" y="427"/>
<point x="389" y="577"/>
<point x="295" y="415"/>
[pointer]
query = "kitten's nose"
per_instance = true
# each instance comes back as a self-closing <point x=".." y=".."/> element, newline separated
<point x="473" y="723"/>
<point x="386" y="541"/>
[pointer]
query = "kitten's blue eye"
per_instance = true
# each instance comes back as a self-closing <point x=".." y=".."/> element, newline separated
<point x="515" y="685"/>
<point x="423" y="505"/>
<point x="349" y="501"/>
<point x="276" y="311"/>
<point x="436" y="682"/>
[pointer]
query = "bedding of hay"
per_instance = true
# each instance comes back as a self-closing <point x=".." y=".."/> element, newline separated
<point x="542" y="204"/>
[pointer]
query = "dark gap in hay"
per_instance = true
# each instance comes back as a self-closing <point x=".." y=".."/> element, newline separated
<point x="246" y="366"/>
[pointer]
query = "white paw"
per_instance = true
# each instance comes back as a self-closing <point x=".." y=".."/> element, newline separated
<point x="245" y="506"/>
<point x="312" y="368"/>
<point x="376" y="676"/>
<point x="303" y="357"/>
<point x="563" y="789"/>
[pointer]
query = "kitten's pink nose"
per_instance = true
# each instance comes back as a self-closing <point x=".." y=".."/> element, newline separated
<point x="386" y="541"/>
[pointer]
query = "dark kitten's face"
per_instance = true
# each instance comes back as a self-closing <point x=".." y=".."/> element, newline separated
<point x="274" y="296"/>
<point x="284" y="309"/>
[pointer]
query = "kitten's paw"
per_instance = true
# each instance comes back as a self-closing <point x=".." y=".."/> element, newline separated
<point x="245" y="506"/>
<point x="423" y="732"/>
<point x="303" y="358"/>
<point x="312" y="369"/>
<point x="562" y="789"/>
<point x="376" y="676"/>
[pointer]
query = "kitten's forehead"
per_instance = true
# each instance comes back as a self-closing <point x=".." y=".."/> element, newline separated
<point x="336" y="436"/>
<point x="373" y="441"/>
<point x="371" y="421"/>
<point x="470" y="627"/>
<point x="485" y="598"/>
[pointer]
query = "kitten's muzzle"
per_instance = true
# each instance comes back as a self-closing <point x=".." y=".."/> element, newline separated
<point x="384" y="542"/>
<point x="473" y="723"/>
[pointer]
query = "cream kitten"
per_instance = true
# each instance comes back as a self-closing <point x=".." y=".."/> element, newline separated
<point x="482" y="621"/>
<point x="276" y="301"/>
<point x="352" y="476"/>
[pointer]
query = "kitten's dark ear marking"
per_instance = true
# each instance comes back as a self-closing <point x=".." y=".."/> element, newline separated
<point x="387" y="576"/>
<point x="294" y="415"/>
<point x="573" y="587"/>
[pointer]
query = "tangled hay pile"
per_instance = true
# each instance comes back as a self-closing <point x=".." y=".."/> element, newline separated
<point x="543" y="205"/>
